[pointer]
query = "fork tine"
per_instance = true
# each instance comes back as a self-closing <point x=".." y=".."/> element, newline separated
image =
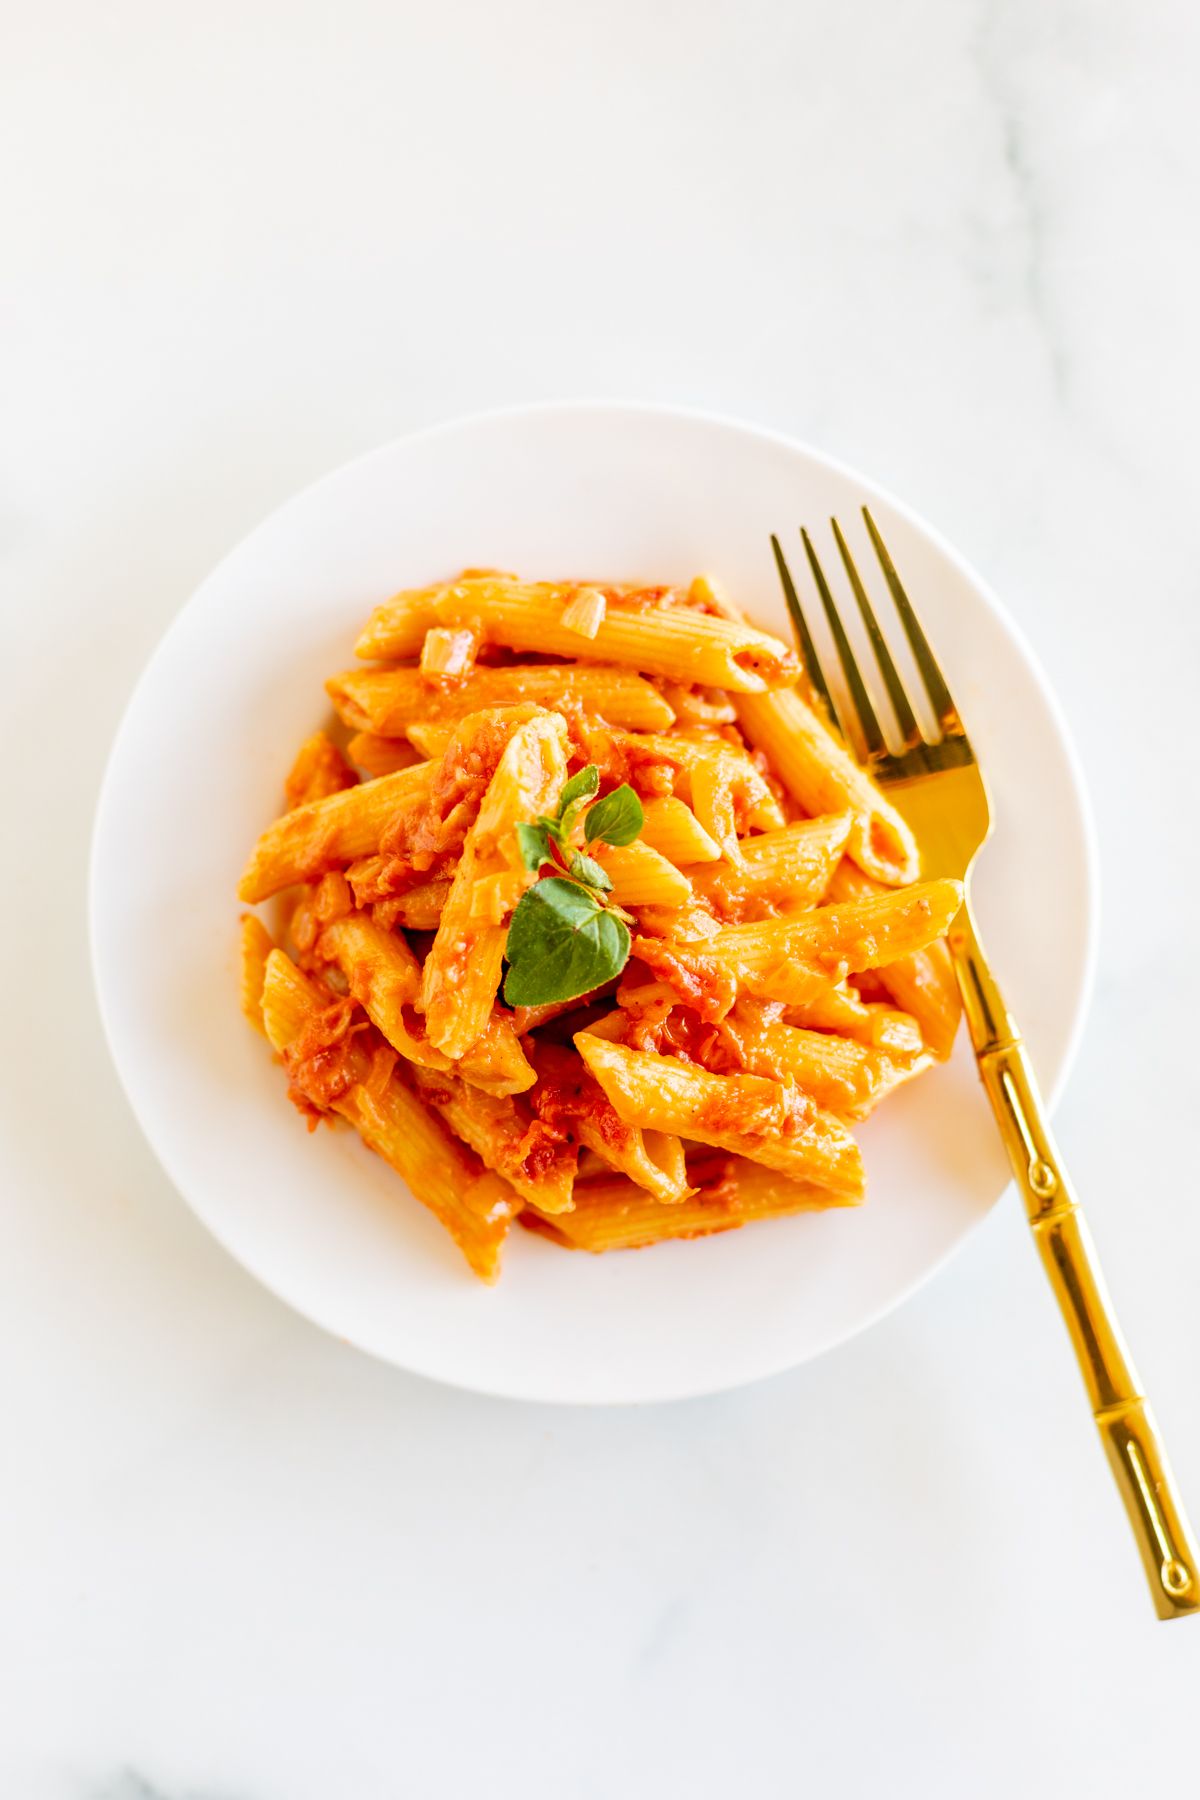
<point x="910" y="731"/>
<point x="931" y="675"/>
<point x="808" y="650"/>
<point x="867" y="719"/>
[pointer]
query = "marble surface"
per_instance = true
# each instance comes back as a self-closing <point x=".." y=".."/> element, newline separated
<point x="951" y="241"/>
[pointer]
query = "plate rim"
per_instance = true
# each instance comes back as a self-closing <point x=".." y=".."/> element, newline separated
<point x="679" y="414"/>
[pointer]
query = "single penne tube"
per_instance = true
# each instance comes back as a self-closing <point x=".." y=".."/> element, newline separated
<point x="473" y="1203"/>
<point x="319" y="770"/>
<point x="712" y="796"/>
<point x="789" y="869"/>
<point x="641" y="876"/>
<point x="767" y="1121"/>
<point x="843" y="938"/>
<point x="381" y="755"/>
<point x="666" y="1152"/>
<point x="539" y="1164"/>
<point x="462" y="970"/>
<point x="846" y="1078"/>
<point x="924" y="984"/>
<point x="613" y="1213"/>
<point x="256" y="946"/>
<point x="388" y="701"/>
<point x="384" y="976"/>
<point x="819" y="772"/>
<point x="654" y="1159"/>
<point x="672" y="828"/>
<point x="289" y="1000"/>
<point x="324" y="833"/>
<point x="674" y="641"/>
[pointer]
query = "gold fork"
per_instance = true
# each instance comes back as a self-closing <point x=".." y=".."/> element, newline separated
<point x="939" y="789"/>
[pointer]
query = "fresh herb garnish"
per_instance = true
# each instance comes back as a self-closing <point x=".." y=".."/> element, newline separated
<point x="586" y="868"/>
<point x="616" y="819"/>
<point x="565" y="937"/>
<point x="562" y="943"/>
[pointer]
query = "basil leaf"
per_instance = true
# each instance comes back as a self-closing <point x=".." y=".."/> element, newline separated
<point x="616" y="819"/>
<point x="561" y="944"/>
<point x="585" y="868"/>
<point x="580" y="787"/>
<point x="535" y="845"/>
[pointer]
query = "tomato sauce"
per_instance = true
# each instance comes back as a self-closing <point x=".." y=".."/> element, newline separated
<point x="325" y="1060"/>
<point x="701" y="982"/>
<point x="426" y="832"/>
<point x="566" y="1093"/>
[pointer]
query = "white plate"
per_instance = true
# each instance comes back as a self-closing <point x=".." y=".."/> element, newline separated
<point x="197" y="770"/>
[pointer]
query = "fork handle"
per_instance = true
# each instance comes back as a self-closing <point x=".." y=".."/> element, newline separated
<point x="1124" y="1419"/>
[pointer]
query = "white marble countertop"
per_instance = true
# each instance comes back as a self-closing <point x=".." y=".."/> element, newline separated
<point x="950" y="241"/>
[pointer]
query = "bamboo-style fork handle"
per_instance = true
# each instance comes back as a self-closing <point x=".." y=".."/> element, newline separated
<point x="932" y="788"/>
<point x="1064" y="1242"/>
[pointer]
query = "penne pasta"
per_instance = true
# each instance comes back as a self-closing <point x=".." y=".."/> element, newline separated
<point x="712" y="785"/>
<point x="397" y="628"/>
<point x="431" y="739"/>
<point x="729" y="780"/>
<point x="843" y="1075"/>
<point x="256" y="946"/>
<point x="462" y="970"/>
<point x="416" y="908"/>
<point x="319" y="770"/>
<point x="322" y="833"/>
<point x="613" y="1213"/>
<point x="389" y="701"/>
<point x="673" y="641"/>
<point x="922" y="984"/>
<point x="841" y="1008"/>
<point x="792" y="959"/>
<point x="714" y="950"/>
<point x="474" y="1204"/>
<point x="641" y="876"/>
<point x="819" y="772"/>
<point x="765" y="1121"/>
<point x="675" y="832"/>
<point x="815" y="767"/>
<point x="846" y="1078"/>
<point x="652" y="1159"/>
<point x="384" y="977"/>
<point x="573" y="1106"/>
<point x="381" y="755"/>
